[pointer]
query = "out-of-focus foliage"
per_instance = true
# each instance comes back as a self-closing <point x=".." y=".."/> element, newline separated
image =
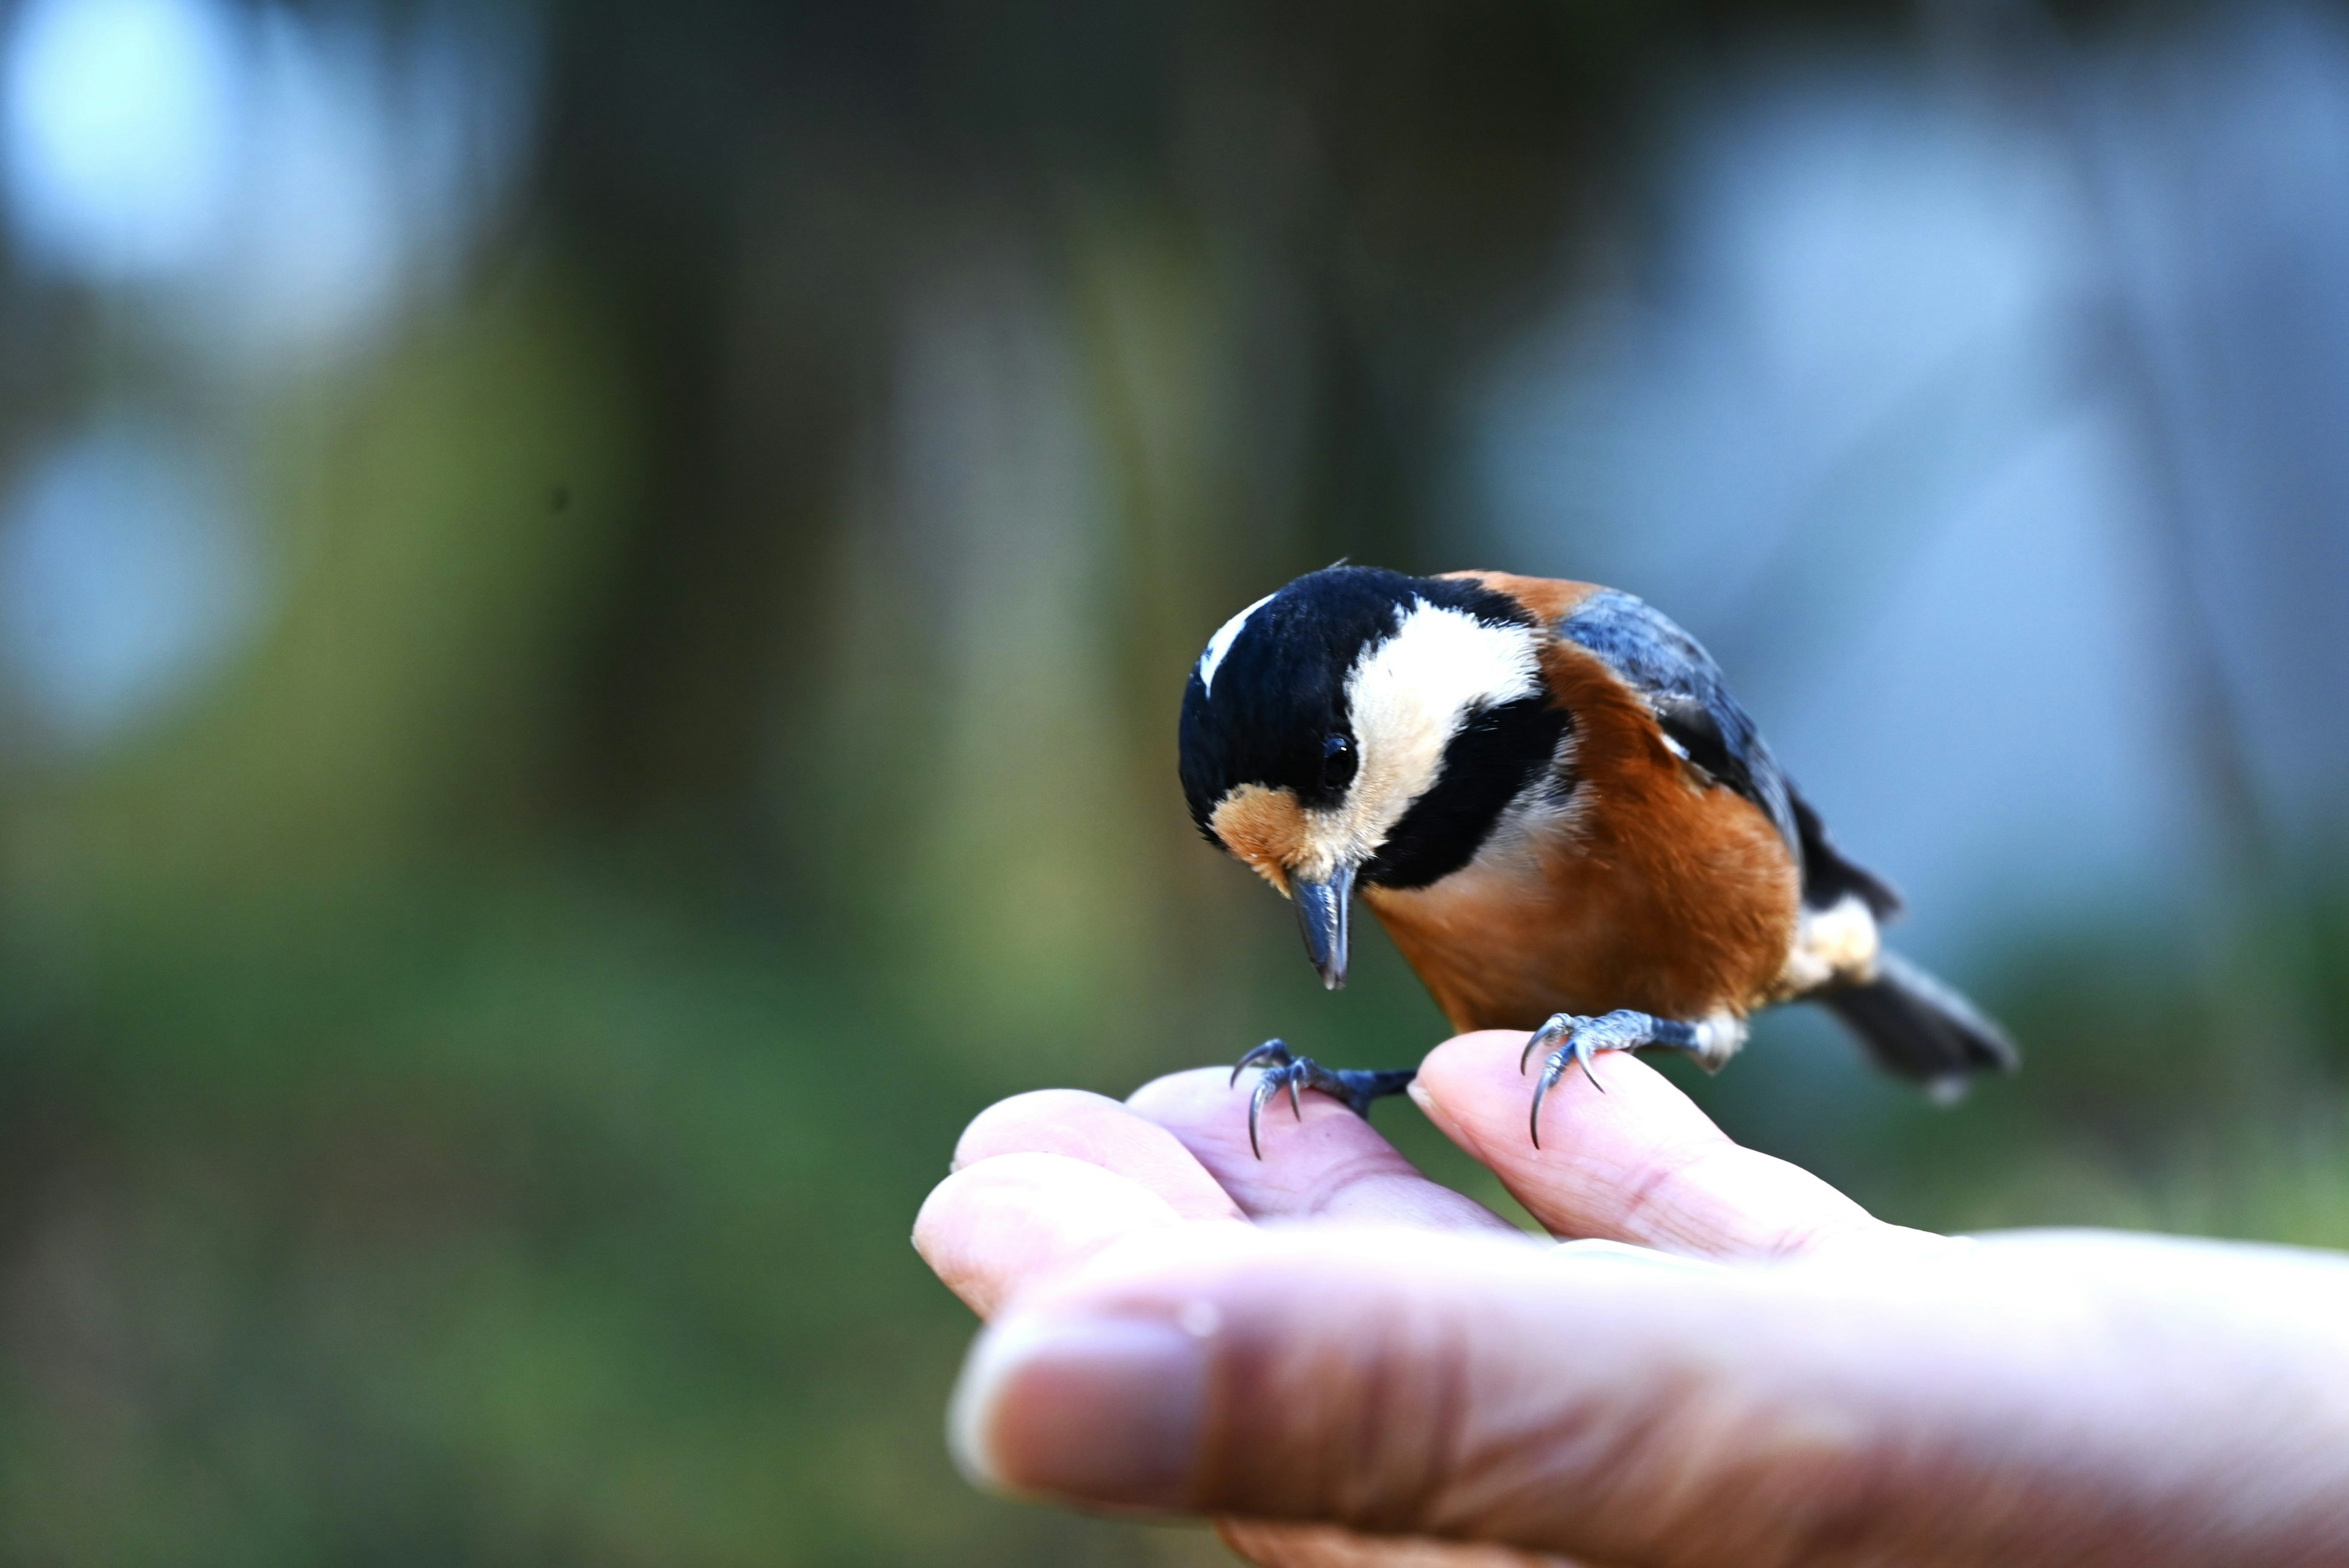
<point x="592" y="600"/>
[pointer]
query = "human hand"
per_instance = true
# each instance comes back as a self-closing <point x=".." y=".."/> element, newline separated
<point x="1826" y="1389"/>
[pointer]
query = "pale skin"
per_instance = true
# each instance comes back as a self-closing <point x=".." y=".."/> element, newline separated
<point x="1349" y="1366"/>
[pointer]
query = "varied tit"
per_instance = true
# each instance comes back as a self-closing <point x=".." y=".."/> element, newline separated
<point x="1546" y="793"/>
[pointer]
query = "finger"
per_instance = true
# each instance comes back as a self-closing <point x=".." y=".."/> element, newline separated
<point x="1099" y="1131"/>
<point x="1633" y="1159"/>
<point x="1332" y="1165"/>
<point x="991" y="1227"/>
<point x="1950" y="1412"/>
<point x="1321" y="1546"/>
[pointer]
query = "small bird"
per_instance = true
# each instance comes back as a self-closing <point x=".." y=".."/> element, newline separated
<point x="1568" y="824"/>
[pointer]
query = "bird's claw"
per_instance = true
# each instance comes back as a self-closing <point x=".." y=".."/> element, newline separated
<point x="1273" y="1051"/>
<point x="1282" y="1069"/>
<point x="1577" y="1049"/>
<point x="1559" y="1026"/>
<point x="1580" y="1039"/>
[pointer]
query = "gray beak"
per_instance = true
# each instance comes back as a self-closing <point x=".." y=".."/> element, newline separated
<point x="1321" y="916"/>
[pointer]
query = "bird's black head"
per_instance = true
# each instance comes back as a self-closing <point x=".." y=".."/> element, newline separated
<point x="1362" y="723"/>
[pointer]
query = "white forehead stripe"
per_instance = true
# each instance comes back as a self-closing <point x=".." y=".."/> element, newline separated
<point x="1221" y="643"/>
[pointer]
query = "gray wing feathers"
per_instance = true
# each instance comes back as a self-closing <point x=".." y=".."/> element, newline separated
<point x="1671" y="669"/>
<point x="1683" y="686"/>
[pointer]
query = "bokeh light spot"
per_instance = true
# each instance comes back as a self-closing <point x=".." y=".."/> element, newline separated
<point x="126" y="578"/>
<point x="119" y="133"/>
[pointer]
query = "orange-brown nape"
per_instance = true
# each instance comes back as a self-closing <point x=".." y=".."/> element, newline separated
<point x="1549" y="600"/>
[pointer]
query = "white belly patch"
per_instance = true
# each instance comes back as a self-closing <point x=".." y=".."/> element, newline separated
<point x="1834" y="946"/>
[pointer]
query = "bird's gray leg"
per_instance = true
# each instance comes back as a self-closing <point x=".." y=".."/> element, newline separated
<point x="1578" y="1039"/>
<point x="1353" y="1088"/>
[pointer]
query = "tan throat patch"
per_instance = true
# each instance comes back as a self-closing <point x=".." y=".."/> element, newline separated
<point x="1266" y="827"/>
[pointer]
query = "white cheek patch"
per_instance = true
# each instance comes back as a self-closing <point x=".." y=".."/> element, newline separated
<point x="1409" y="695"/>
<point x="1221" y="643"/>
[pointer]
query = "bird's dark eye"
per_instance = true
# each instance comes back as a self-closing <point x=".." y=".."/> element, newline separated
<point x="1337" y="761"/>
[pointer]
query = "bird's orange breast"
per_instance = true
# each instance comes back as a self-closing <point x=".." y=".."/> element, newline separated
<point x="1648" y="888"/>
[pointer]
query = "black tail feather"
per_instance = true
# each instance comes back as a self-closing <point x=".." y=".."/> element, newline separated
<point x="1829" y="874"/>
<point x="1914" y="1025"/>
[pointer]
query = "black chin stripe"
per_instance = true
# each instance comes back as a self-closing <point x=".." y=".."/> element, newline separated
<point x="1488" y="763"/>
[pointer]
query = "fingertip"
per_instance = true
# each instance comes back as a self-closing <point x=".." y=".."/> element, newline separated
<point x="1187" y="1096"/>
<point x="1301" y="1144"/>
<point x="1091" y="1389"/>
<point x="1006" y="1125"/>
<point x="1099" y="1410"/>
<point x="1327" y="1161"/>
<point x="1471" y="1087"/>
<point x="993" y="1226"/>
<point x="1100" y="1131"/>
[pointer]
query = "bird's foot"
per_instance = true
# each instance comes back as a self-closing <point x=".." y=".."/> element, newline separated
<point x="1353" y="1088"/>
<point x="1578" y="1038"/>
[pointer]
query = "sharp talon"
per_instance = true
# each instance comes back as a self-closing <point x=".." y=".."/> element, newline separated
<point x="1582" y="1053"/>
<point x="1550" y="1071"/>
<point x="1271" y="1050"/>
<point x="1265" y="1088"/>
<point x="1548" y="1035"/>
<point x="1283" y="1069"/>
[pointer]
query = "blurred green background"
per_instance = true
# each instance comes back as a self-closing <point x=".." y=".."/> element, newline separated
<point x="593" y="599"/>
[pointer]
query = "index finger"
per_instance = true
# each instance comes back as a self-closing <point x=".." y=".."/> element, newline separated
<point x="1045" y="1178"/>
<point x="1637" y="1163"/>
<point x="1100" y="1131"/>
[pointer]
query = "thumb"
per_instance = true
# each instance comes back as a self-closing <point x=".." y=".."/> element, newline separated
<point x="1497" y="1391"/>
<point x="1612" y="1409"/>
